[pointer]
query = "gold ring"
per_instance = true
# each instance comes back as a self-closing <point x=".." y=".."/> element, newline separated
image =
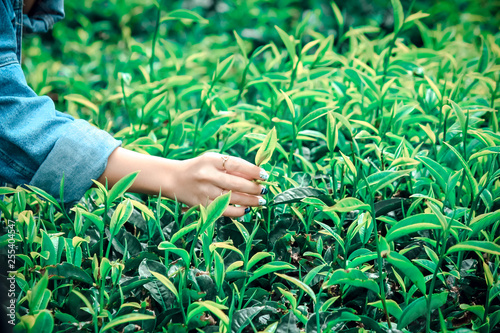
<point x="224" y="160"/>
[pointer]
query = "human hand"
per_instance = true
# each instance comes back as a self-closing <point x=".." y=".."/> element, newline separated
<point x="195" y="181"/>
<point x="202" y="179"/>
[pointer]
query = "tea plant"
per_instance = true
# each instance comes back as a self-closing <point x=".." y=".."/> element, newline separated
<point x="384" y="201"/>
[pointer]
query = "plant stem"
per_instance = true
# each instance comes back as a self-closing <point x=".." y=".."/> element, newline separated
<point x="494" y="119"/>
<point x="153" y="47"/>
<point x="201" y="116"/>
<point x="445" y="234"/>
<point x="379" y="255"/>
<point x="243" y="81"/>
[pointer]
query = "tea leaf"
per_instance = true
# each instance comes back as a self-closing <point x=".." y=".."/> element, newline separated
<point x="45" y="195"/>
<point x="223" y="245"/>
<point x="44" y="323"/>
<point x="299" y="284"/>
<point x="289" y="103"/>
<point x="484" y="152"/>
<point x="332" y="133"/>
<point x="437" y="171"/>
<point x="185" y="15"/>
<point x="167" y="283"/>
<point x="223" y="67"/>
<point x="470" y="177"/>
<point x="269" y="268"/>
<point x="349" y="164"/>
<point x="398" y="15"/>
<point x="415" y="16"/>
<point x="483" y="59"/>
<point x="407" y="268"/>
<point x="154" y="104"/>
<point x="169" y="247"/>
<point x="296" y="195"/>
<point x="289" y="42"/>
<point x="199" y="307"/>
<point x="214" y="211"/>
<point x="82" y="101"/>
<point x="352" y="277"/>
<point x="434" y="87"/>
<point x="121" y="187"/>
<point x="90" y="308"/>
<point x="66" y="270"/>
<point x="416" y="223"/>
<point x="242" y="318"/>
<point x="392" y="307"/>
<point x="256" y="258"/>
<point x="348" y="205"/>
<point x="120" y="216"/>
<point x="338" y="14"/>
<point x="316" y="114"/>
<point x="183" y="116"/>
<point x="382" y="179"/>
<point x="418" y="308"/>
<point x="47" y="245"/>
<point x="266" y="150"/>
<point x="38" y="291"/>
<point x="460" y="115"/>
<point x="211" y="127"/>
<point x="131" y="317"/>
<point x="482" y="222"/>
<point x="184" y="231"/>
<point x="7" y="190"/>
<point x="241" y="44"/>
<point x="481" y="246"/>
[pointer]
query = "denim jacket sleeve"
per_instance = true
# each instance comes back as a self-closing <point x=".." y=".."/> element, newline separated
<point x="38" y="145"/>
<point x="43" y="15"/>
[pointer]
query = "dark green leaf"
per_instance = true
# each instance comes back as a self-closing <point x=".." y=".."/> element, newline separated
<point x="243" y="317"/>
<point x="66" y="270"/>
<point x="418" y="308"/>
<point x="352" y="277"/>
<point x="296" y="195"/>
<point x="44" y="323"/>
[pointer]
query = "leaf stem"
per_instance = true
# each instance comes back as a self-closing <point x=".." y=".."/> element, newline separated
<point x="153" y="47"/>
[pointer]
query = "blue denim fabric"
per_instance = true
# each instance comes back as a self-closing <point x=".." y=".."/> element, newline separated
<point x="38" y="145"/>
<point x="43" y="15"/>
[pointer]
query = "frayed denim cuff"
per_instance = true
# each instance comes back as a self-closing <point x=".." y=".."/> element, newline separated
<point x="43" y="15"/>
<point x="81" y="155"/>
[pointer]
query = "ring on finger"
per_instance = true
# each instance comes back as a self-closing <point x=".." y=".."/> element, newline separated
<point x="225" y="158"/>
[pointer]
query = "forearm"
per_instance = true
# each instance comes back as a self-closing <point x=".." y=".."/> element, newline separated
<point x="155" y="173"/>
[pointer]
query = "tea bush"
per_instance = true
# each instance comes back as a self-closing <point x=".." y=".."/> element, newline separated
<point x="380" y="135"/>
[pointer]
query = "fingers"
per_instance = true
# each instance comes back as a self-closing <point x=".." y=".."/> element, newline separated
<point x="238" y="184"/>
<point x="238" y="166"/>
<point x="245" y="169"/>
<point x="232" y="211"/>
<point x="243" y="199"/>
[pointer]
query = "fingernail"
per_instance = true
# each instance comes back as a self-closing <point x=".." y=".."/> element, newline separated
<point x="264" y="190"/>
<point x="262" y="201"/>
<point x="263" y="174"/>
<point x="247" y="210"/>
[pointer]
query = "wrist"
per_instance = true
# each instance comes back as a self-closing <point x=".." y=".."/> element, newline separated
<point x="168" y="177"/>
